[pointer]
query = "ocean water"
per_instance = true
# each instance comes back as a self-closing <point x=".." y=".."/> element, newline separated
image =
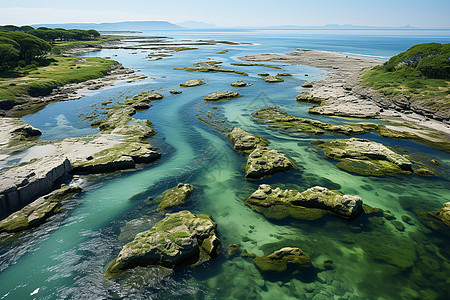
<point x="66" y="257"/>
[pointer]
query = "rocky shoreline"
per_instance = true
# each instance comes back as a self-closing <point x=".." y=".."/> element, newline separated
<point x="341" y="93"/>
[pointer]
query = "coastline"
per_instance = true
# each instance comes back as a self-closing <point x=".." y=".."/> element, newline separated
<point x="341" y="94"/>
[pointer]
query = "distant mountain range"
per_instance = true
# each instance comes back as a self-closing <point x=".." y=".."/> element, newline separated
<point x="164" y="25"/>
<point x="197" y="25"/>
<point x="119" y="26"/>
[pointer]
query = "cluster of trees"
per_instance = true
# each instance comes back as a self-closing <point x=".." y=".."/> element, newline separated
<point x="20" y="49"/>
<point x="22" y="46"/>
<point x="431" y="60"/>
<point x="51" y="35"/>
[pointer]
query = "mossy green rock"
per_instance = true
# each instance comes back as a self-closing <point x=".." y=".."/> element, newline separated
<point x="443" y="214"/>
<point x="35" y="213"/>
<point x="285" y="259"/>
<point x="177" y="239"/>
<point x="263" y="162"/>
<point x="308" y="205"/>
<point x="273" y="79"/>
<point x="175" y="92"/>
<point x="192" y="82"/>
<point x="366" y="157"/>
<point x="222" y="95"/>
<point x="175" y="196"/>
<point x="279" y="119"/>
<point x="245" y="142"/>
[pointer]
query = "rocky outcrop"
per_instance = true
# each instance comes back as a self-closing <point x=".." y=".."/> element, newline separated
<point x="271" y="78"/>
<point x="222" y="95"/>
<point x="15" y="135"/>
<point x="175" y="92"/>
<point x="175" y="196"/>
<point x="366" y="157"/>
<point x="245" y="142"/>
<point x="443" y="214"/>
<point x="192" y="82"/>
<point x="310" y="204"/>
<point x="285" y="259"/>
<point x="180" y="238"/>
<point x="240" y="83"/>
<point x="124" y="155"/>
<point x="21" y="185"/>
<point x="263" y="162"/>
<point x="276" y="118"/>
<point x="35" y="213"/>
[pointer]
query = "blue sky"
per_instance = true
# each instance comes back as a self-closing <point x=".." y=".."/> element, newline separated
<point x="232" y="13"/>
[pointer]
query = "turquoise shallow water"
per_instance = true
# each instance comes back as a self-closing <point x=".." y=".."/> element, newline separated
<point x="66" y="257"/>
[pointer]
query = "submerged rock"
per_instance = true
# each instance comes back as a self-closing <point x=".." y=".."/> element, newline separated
<point x="222" y="95"/>
<point x="192" y="82"/>
<point x="263" y="162"/>
<point x="443" y="214"/>
<point x="273" y="79"/>
<point x="35" y="213"/>
<point x="308" y="205"/>
<point x="285" y="259"/>
<point x="366" y="157"/>
<point x="245" y="142"/>
<point x="174" y="196"/>
<point x="177" y="239"/>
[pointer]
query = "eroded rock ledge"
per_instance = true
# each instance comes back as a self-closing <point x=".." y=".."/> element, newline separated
<point x="308" y="205"/>
<point x="179" y="238"/>
<point x="261" y="161"/>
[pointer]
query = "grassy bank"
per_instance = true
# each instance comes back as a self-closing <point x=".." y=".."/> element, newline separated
<point x="61" y="46"/>
<point x="430" y="92"/>
<point x="421" y="74"/>
<point x="42" y="80"/>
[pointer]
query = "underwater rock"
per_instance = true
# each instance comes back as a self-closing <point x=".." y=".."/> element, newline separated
<point x="263" y="162"/>
<point x="35" y="213"/>
<point x="222" y="95"/>
<point x="245" y="142"/>
<point x="22" y="184"/>
<point x="240" y="83"/>
<point x="175" y="196"/>
<point x="365" y="157"/>
<point x="177" y="239"/>
<point x="285" y="259"/>
<point x="192" y="82"/>
<point x="273" y="79"/>
<point x="314" y="203"/>
<point x="232" y="248"/>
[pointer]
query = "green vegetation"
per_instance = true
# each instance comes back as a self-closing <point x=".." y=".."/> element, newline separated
<point x="421" y="73"/>
<point x="41" y="80"/>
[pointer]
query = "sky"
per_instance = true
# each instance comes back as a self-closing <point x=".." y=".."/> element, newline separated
<point x="232" y="13"/>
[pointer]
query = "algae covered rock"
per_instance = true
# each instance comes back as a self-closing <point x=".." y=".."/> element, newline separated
<point x="240" y="83"/>
<point x="175" y="92"/>
<point x="263" y="162"/>
<point x="311" y="204"/>
<point x="192" y="82"/>
<point x="35" y="213"/>
<point x="366" y="157"/>
<point x="177" y="239"/>
<point x="443" y="214"/>
<point x="174" y="196"/>
<point x="285" y="259"/>
<point x="222" y="95"/>
<point x="245" y="142"/>
<point x="273" y="79"/>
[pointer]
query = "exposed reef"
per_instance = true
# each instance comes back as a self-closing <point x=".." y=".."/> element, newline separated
<point x="192" y="82"/>
<point x="174" y="197"/>
<point x="222" y="95"/>
<point x="179" y="238"/>
<point x="308" y="205"/>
